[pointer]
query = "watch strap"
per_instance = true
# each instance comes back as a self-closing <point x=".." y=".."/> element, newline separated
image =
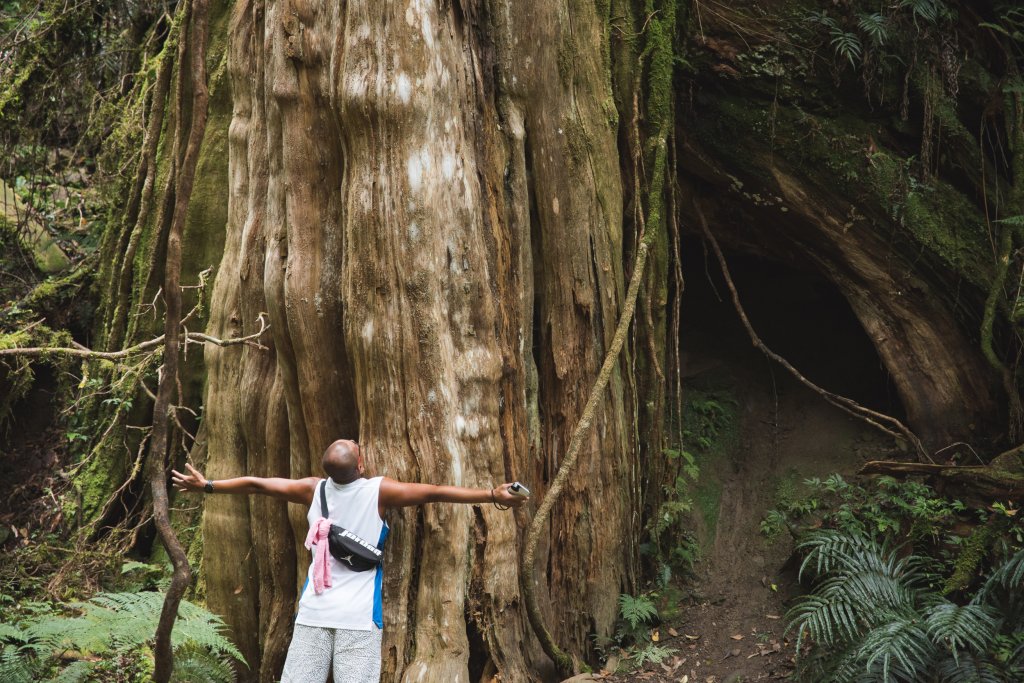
<point x="209" y="486"/>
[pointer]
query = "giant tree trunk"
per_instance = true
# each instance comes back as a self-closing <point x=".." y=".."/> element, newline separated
<point x="426" y="201"/>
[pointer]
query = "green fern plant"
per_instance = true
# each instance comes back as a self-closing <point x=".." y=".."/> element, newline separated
<point x="928" y="10"/>
<point x="876" y="615"/>
<point x="196" y="664"/>
<point x="637" y="611"/>
<point x="875" y="26"/>
<point x="651" y="652"/>
<point x="637" y="614"/>
<point x="881" y="506"/>
<point x="112" y="624"/>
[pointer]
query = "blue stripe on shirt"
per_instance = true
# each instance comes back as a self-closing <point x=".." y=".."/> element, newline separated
<point x="378" y="582"/>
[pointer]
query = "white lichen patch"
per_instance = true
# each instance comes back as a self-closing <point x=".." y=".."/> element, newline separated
<point x="414" y="169"/>
<point x="368" y="331"/>
<point x="403" y="87"/>
<point x="417" y="13"/>
<point x="448" y="166"/>
<point x="554" y="205"/>
<point x="456" y="454"/>
<point x="427" y="29"/>
<point x="355" y="86"/>
<point x="414" y="230"/>
<point x="478" y="363"/>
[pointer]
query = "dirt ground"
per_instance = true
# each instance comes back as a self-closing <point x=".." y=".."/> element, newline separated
<point x="733" y="630"/>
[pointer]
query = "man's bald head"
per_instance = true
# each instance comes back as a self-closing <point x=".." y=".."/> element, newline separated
<point x="341" y="461"/>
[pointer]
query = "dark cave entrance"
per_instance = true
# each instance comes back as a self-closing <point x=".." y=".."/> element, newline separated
<point x="798" y="314"/>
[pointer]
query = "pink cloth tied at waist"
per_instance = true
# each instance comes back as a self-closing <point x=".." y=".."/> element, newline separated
<point x="321" y="570"/>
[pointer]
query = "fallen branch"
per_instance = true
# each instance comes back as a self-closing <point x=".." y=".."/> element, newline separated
<point x="79" y="351"/>
<point x="877" y="420"/>
<point x="991" y="483"/>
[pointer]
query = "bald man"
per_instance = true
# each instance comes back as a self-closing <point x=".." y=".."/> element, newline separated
<point x="340" y="620"/>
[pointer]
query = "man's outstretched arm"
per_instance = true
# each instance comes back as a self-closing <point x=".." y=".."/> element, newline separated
<point x="291" y="490"/>
<point x="397" y="494"/>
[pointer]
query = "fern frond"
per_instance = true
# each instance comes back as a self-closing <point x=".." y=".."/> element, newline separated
<point x="45" y="634"/>
<point x="11" y="633"/>
<point x="1013" y="221"/>
<point x="929" y="10"/>
<point x="970" y="627"/>
<point x="822" y="18"/>
<point x="970" y="667"/>
<point x="847" y="45"/>
<point x="875" y="26"/>
<point x="652" y="652"/>
<point x="125" y="621"/>
<point x="15" y="667"/>
<point x="827" y="550"/>
<point x="77" y="672"/>
<point x="874" y="592"/>
<point x="196" y="664"/>
<point x="1003" y="591"/>
<point x="828" y="621"/>
<point x="637" y="610"/>
<point x="899" y="649"/>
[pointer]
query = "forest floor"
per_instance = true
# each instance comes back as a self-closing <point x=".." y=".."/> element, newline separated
<point x="733" y="630"/>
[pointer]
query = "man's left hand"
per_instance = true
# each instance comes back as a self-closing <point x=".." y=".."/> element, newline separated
<point x="502" y="496"/>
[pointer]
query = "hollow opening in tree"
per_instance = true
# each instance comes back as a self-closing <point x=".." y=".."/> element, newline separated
<point x="797" y="314"/>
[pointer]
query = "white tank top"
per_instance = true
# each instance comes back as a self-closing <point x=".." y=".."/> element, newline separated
<point x="354" y="599"/>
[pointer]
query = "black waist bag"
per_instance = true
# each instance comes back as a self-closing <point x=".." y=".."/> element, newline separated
<point x="347" y="548"/>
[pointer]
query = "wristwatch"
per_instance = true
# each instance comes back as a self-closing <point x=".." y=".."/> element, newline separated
<point x="209" y="486"/>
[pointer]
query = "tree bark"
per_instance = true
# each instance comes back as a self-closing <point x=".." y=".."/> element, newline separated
<point x="425" y="200"/>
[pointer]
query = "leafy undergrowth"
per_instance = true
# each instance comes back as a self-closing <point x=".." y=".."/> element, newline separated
<point x="876" y="613"/>
<point x="108" y="637"/>
<point x="906" y="584"/>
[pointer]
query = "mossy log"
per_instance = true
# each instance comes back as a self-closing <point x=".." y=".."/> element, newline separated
<point x="984" y="482"/>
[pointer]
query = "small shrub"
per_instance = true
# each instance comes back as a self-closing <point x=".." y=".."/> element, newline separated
<point x="637" y="616"/>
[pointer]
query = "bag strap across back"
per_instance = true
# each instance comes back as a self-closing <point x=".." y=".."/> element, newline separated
<point x="323" y="498"/>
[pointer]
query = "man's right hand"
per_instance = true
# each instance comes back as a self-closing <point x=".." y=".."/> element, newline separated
<point x="193" y="481"/>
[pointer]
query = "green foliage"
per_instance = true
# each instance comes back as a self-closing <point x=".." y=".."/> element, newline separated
<point x="852" y="34"/>
<point x="883" y="505"/>
<point x="193" y="662"/>
<point x="708" y="416"/>
<point x="1011" y="23"/>
<point x="874" y="26"/>
<point x="636" y="616"/>
<point x="927" y="10"/>
<point x="651" y="652"/>
<point x="108" y="628"/>
<point x="637" y="611"/>
<point x="874" y="615"/>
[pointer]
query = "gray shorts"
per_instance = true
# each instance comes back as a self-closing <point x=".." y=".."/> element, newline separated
<point x="356" y="655"/>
